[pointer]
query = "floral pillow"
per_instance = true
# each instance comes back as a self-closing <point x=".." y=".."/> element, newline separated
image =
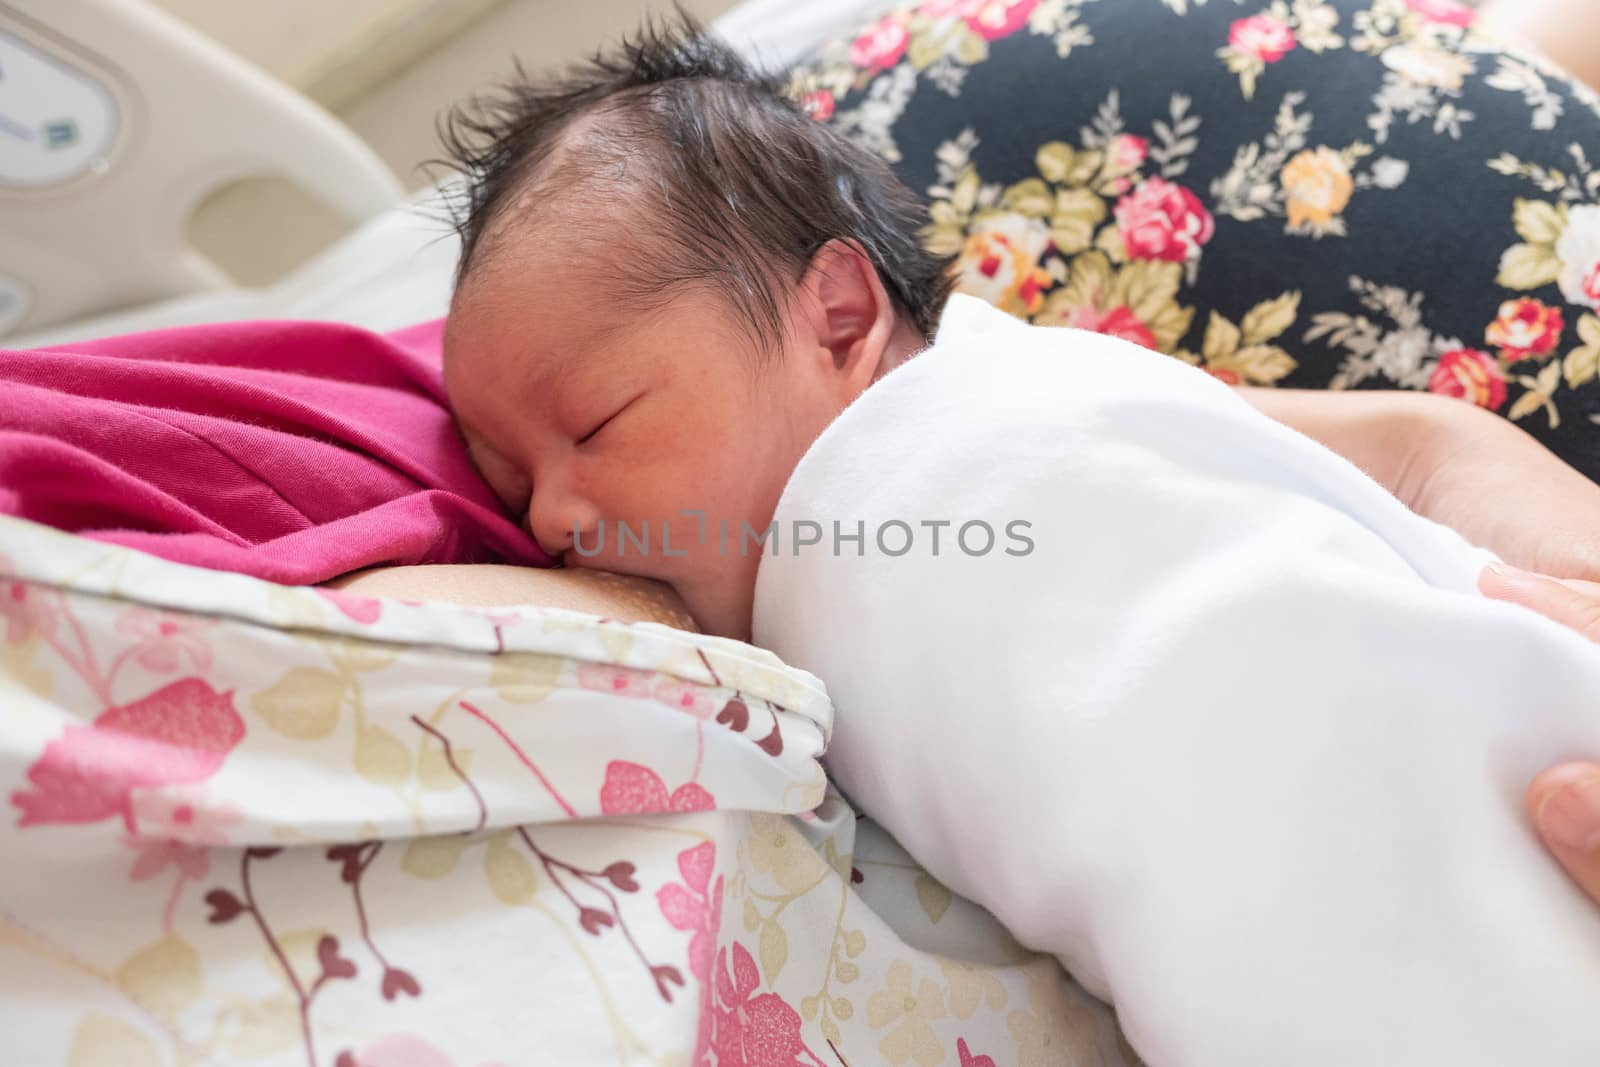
<point x="247" y="823"/>
<point x="1343" y="194"/>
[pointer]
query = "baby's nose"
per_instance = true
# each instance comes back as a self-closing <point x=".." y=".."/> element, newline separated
<point x="561" y="520"/>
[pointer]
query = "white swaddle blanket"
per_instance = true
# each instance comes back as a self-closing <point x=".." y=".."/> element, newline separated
<point x="1237" y="740"/>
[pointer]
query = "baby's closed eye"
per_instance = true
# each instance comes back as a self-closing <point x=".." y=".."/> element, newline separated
<point x="606" y="420"/>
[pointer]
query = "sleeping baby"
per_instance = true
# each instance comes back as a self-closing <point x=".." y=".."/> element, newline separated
<point x="1158" y="681"/>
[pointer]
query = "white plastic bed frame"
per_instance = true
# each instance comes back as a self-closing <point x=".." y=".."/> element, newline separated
<point x="102" y="251"/>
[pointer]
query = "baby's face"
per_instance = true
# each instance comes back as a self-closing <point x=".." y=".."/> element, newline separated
<point x="584" y="416"/>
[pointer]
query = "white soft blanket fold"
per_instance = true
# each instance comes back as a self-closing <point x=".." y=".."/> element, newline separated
<point x="1237" y="740"/>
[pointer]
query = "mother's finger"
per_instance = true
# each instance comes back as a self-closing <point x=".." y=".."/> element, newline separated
<point x="1572" y="603"/>
<point x="1564" y="804"/>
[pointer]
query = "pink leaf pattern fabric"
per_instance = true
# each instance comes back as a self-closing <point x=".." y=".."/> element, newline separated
<point x="291" y="816"/>
<point x="179" y="734"/>
<point x="634" y="789"/>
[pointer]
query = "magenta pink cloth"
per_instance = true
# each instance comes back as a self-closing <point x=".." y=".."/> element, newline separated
<point x="291" y="451"/>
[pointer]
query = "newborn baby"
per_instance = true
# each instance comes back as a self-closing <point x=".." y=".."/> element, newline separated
<point x="1167" y="717"/>
<point x="671" y="281"/>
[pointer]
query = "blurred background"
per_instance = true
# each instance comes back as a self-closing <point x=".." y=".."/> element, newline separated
<point x="147" y="167"/>
<point x="165" y="162"/>
<point x="387" y="69"/>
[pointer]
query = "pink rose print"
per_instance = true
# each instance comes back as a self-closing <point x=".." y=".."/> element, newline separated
<point x="818" y="103"/>
<point x="1449" y="12"/>
<point x="759" y="1032"/>
<point x="1119" y="322"/>
<point x="1263" y="37"/>
<point x="1590" y="287"/>
<point x="1160" y="220"/>
<point x="362" y="609"/>
<point x="27" y="609"/>
<point x="968" y="1059"/>
<point x="1126" y="153"/>
<point x="1000" y="262"/>
<point x="179" y="734"/>
<point x="695" y="905"/>
<point x="994" y="19"/>
<point x="1525" y="328"/>
<point x="1468" y="374"/>
<point x="632" y="789"/>
<point x="882" y="45"/>
<point x="1579" y="251"/>
<point x="163" y="640"/>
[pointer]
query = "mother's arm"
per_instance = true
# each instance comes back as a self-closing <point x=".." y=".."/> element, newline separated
<point x="1458" y="465"/>
<point x="1566" y="31"/>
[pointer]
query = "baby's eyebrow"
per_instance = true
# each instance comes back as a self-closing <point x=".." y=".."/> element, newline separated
<point x="605" y="356"/>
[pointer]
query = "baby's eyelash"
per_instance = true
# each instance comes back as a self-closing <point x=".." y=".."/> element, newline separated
<point x="590" y="435"/>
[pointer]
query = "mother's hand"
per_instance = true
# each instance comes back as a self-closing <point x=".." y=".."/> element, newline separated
<point x="1564" y="802"/>
<point x="1503" y="490"/>
<point x="1458" y="465"/>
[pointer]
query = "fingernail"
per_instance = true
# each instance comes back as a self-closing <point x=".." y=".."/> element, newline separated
<point x="1570" y="815"/>
<point x="1515" y="578"/>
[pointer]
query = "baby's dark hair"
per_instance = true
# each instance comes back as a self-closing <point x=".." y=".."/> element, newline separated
<point x="746" y="187"/>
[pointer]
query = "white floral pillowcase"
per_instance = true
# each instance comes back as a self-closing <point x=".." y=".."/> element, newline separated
<point x="256" y="824"/>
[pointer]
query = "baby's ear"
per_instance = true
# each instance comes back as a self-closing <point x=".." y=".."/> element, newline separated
<point x="851" y="311"/>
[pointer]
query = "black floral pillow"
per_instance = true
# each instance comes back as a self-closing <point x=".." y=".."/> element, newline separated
<point x="1342" y="194"/>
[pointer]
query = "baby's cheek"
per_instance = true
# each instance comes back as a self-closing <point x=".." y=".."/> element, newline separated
<point x="509" y="485"/>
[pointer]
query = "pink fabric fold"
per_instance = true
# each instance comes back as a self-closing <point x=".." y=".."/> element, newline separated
<point x="291" y="451"/>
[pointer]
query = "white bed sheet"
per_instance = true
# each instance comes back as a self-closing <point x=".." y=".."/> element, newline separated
<point x="399" y="268"/>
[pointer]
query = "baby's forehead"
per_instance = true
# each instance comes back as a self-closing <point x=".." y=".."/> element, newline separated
<point x="549" y="255"/>
<point x="530" y="325"/>
<point x="576" y="262"/>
